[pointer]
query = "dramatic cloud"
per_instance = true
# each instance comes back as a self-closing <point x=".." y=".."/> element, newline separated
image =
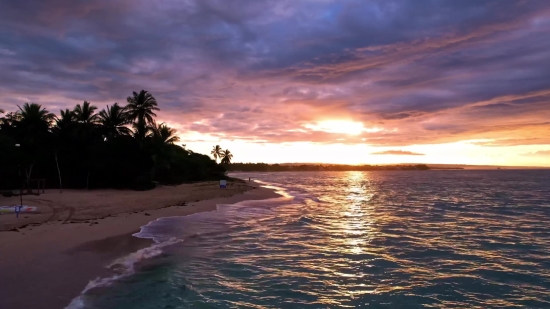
<point x="267" y="71"/>
<point x="398" y="152"/>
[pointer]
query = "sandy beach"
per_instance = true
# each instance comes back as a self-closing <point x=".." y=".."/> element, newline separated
<point x="47" y="259"/>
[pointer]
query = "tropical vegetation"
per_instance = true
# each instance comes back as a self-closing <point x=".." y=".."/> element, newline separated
<point x="216" y="152"/>
<point x="84" y="147"/>
<point x="225" y="155"/>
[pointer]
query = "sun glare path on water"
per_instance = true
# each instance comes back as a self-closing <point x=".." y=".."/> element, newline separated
<point x="352" y="240"/>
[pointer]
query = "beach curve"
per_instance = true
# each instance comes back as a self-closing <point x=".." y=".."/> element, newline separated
<point x="59" y="260"/>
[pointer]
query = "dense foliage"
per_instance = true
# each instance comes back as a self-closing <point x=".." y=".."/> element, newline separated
<point x="264" y="167"/>
<point x="118" y="147"/>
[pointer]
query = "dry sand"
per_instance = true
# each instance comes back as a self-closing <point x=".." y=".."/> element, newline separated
<point x="82" y="205"/>
<point x="48" y="264"/>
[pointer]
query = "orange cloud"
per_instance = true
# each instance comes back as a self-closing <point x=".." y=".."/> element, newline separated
<point x="398" y="152"/>
<point x="544" y="153"/>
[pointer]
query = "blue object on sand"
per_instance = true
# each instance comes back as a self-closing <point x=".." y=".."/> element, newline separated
<point x="11" y="209"/>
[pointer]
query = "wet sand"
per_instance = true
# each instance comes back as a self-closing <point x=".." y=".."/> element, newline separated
<point x="48" y="264"/>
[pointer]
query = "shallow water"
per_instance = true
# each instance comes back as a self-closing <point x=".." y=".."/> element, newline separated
<point x="433" y="239"/>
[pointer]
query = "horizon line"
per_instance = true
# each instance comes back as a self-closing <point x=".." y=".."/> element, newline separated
<point x="394" y="164"/>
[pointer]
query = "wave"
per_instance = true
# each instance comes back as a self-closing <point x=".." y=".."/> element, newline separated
<point x="123" y="267"/>
<point x="307" y="220"/>
<point x="289" y="194"/>
<point x="160" y="232"/>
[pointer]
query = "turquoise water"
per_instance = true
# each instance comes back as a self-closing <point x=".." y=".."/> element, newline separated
<point x="434" y="239"/>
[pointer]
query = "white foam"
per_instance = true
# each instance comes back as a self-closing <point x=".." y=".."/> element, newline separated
<point x="159" y="239"/>
<point x="123" y="266"/>
<point x="127" y="263"/>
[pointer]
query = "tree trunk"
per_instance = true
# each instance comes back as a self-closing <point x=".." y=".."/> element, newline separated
<point x="28" y="174"/>
<point x="58" y="173"/>
<point x="88" y="181"/>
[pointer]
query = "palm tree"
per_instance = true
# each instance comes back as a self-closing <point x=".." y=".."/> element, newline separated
<point x="66" y="118"/>
<point x="63" y="131"/>
<point x="140" y="132"/>
<point x="140" y="108"/>
<point x="162" y="139"/>
<point x="33" y="117"/>
<point x="113" y="121"/>
<point x="1" y="111"/>
<point x="162" y="133"/>
<point x="226" y="157"/>
<point x="33" y="123"/>
<point x="65" y="127"/>
<point x="85" y="113"/>
<point x="216" y="152"/>
<point x="88" y="135"/>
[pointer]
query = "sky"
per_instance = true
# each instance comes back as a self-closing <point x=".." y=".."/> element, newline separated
<point x="334" y="81"/>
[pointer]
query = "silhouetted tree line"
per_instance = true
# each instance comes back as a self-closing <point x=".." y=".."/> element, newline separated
<point x="264" y="167"/>
<point x="117" y="147"/>
<point x="225" y="155"/>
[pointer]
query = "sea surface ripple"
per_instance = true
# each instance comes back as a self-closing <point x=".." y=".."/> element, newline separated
<point x="433" y="239"/>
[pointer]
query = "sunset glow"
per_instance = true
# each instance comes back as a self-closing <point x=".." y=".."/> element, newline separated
<point x="341" y="126"/>
<point x="356" y="82"/>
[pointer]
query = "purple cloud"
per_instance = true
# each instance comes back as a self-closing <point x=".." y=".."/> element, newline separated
<point x="260" y="69"/>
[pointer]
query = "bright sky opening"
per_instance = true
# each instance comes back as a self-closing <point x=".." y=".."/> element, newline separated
<point x="356" y="82"/>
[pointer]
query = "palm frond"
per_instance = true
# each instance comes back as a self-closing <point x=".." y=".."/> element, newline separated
<point x="33" y="115"/>
<point x="226" y="156"/>
<point x="85" y="113"/>
<point x="140" y="108"/>
<point x="113" y="121"/>
<point x="216" y="152"/>
<point x="162" y="134"/>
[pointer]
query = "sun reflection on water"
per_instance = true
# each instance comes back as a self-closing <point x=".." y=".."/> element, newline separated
<point x="356" y="224"/>
<point x="376" y="240"/>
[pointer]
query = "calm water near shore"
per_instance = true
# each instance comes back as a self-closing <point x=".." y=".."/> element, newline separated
<point x="433" y="239"/>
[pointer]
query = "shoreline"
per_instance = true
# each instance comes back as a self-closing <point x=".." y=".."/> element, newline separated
<point x="48" y="265"/>
<point x="74" y="206"/>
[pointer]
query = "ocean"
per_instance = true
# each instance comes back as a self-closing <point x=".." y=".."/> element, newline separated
<point x="385" y="239"/>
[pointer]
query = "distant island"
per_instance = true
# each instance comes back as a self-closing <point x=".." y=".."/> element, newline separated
<point x="264" y="167"/>
<point x="282" y="167"/>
